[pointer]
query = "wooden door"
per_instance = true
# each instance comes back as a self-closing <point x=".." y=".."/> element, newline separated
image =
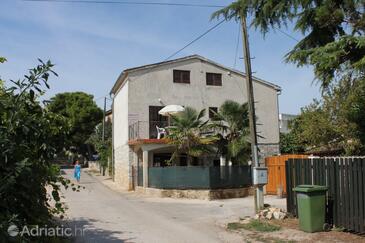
<point x="273" y="175"/>
<point x="276" y="172"/>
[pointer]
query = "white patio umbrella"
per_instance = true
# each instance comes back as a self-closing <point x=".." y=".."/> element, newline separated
<point x="171" y="110"/>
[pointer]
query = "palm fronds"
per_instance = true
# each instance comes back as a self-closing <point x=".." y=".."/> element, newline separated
<point x="187" y="134"/>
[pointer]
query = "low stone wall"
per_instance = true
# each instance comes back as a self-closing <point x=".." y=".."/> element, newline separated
<point x="266" y="150"/>
<point x="122" y="168"/>
<point x="197" y="194"/>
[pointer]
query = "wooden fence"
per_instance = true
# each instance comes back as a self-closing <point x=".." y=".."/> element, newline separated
<point x="276" y="172"/>
<point x="345" y="179"/>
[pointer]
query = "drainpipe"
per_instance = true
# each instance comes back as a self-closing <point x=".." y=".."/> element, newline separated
<point x="113" y="154"/>
<point x="277" y="105"/>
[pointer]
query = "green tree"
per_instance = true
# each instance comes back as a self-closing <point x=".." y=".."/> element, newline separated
<point x="81" y="112"/>
<point x="289" y="144"/>
<point x="186" y="135"/>
<point x="232" y="124"/>
<point x="314" y="128"/>
<point x="354" y="112"/>
<point x="30" y="137"/>
<point x="334" y="123"/>
<point x="104" y="148"/>
<point x="333" y="41"/>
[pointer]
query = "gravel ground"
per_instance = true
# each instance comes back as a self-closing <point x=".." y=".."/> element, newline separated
<point x="109" y="215"/>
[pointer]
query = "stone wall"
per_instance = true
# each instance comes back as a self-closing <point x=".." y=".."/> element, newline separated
<point x="122" y="172"/>
<point x="197" y="194"/>
<point x="266" y="150"/>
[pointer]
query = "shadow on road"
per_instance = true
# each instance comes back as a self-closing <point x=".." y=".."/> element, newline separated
<point x="84" y="230"/>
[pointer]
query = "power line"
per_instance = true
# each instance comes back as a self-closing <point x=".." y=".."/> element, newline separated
<point x="286" y="34"/>
<point x="102" y="97"/>
<point x="237" y="44"/>
<point x="196" y="39"/>
<point x="130" y="3"/>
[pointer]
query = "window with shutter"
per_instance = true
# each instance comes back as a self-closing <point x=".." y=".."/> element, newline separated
<point x="181" y="76"/>
<point x="214" y="79"/>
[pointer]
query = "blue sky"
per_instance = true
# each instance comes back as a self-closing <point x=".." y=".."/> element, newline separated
<point x="92" y="43"/>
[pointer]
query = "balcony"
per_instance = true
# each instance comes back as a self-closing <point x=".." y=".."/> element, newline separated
<point x="145" y="129"/>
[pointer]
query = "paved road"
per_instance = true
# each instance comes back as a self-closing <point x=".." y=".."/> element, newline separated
<point x="110" y="216"/>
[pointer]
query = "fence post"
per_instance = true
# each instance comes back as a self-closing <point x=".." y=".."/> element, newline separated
<point x="288" y="186"/>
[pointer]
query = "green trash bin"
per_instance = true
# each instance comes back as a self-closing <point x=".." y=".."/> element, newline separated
<point x="311" y="202"/>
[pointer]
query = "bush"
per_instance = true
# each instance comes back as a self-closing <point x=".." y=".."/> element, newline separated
<point x="30" y="136"/>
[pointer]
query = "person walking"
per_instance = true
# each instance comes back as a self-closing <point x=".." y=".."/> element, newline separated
<point x="77" y="171"/>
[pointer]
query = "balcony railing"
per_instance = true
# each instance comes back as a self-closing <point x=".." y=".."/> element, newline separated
<point x="145" y="129"/>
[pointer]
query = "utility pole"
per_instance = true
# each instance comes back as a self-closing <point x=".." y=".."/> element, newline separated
<point x="259" y="199"/>
<point x="104" y="111"/>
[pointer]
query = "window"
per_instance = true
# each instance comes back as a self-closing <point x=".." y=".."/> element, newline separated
<point x="156" y="119"/>
<point x="214" y="79"/>
<point x="181" y="76"/>
<point x="212" y="112"/>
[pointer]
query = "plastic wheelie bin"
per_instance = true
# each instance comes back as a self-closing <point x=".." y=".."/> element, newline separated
<point x="311" y="202"/>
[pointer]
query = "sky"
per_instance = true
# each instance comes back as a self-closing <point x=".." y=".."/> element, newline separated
<point x="91" y="44"/>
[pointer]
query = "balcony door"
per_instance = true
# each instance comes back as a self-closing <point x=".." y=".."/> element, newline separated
<point x="156" y="120"/>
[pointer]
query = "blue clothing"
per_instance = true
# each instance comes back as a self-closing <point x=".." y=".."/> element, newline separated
<point x="77" y="172"/>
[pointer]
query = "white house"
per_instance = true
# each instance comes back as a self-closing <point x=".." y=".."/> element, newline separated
<point x="285" y="121"/>
<point x="139" y="93"/>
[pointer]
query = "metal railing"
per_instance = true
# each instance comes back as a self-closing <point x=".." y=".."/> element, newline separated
<point x="145" y="129"/>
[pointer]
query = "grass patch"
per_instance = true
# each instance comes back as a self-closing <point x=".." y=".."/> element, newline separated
<point x="271" y="240"/>
<point x="254" y="225"/>
<point x="235" y="226"/>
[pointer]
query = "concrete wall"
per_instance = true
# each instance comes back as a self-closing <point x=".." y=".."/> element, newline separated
<point x="121" y="148"/>
<point x="147" y="87"/>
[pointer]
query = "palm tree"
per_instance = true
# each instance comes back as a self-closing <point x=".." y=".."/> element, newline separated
<point x="187" y="135"/>
<point x="232" y="124"/>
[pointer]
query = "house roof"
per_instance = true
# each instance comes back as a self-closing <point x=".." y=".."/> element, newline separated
<point x="125" y="73"/>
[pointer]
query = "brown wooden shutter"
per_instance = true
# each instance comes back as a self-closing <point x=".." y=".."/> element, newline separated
<point x="181" y="76"/>
<point x="214" y="79"/>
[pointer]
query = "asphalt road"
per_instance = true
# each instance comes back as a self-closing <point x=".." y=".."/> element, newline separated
<point x="100" y="214"/>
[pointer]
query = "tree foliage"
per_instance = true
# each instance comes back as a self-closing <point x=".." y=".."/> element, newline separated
<point x="232" y="124"/>
<point x="81" y="112"/>
<point x="334" y="123"/>
<point x="104" y="148"/>
<point x="289" y="144"/>
<point x="333" y="41"/>
<point x="334" y="44"/>
<point x="30" y="137"/>
<point x="186" y="135"/>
